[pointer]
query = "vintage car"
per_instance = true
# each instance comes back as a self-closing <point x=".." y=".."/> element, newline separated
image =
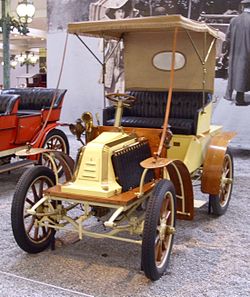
<point x="29" y="117"/>
<point x="136" y="172"/>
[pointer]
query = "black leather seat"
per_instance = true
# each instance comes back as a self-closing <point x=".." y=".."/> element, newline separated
<point x="149" y="111"/>
<point x="33" y="100"/>
<point x="7" y="103"/>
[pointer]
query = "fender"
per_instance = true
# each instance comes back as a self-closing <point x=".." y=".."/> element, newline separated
<point x="66" y="161"/>
<point x="213" y="163"/>
<point x="181" y="179"/>
<point x="41" y="138"/>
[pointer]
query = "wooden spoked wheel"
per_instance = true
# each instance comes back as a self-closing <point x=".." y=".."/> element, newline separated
<point x="55" y="140"/>
<point x="31" y="237"/>
<point x="159" y="229"/>
<point x="220" y="202"/>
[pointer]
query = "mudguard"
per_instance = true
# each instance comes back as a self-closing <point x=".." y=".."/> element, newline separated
<point x="213" y="163"/>
<point x="179" y="175"/>
<point x="67" y="163"/>
<point x="39" y="139"/>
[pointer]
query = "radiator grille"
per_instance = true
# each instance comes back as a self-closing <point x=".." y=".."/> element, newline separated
<point x="126" y="163"/>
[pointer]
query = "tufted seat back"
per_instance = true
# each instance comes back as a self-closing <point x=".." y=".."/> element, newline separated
<point x="37" y="98"/>
<point x="153" y="104"/>
<point x="7" y="103"/>
<point x="148" y="104"/>
<point x="149" y="111"/>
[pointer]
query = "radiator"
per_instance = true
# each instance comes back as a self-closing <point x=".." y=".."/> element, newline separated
<point x="126" y="163"/>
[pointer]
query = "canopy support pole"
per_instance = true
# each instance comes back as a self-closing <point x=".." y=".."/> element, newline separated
<point x="98" y="60"/>
<point x="103" y="64"/>
<point x="103" y="72"/>
<point x="203" y="60"/>
<point x="170" y="91"/>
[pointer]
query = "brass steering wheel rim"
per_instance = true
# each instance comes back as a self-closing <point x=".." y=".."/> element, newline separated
<point x="126" y="99"/>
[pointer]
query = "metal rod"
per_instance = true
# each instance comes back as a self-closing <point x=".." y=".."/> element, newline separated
<point x="103" y="72"/>
<point x="189" y="9"/>
<point x="142" y="182"/>
<point x="210" y="49"/>
<point x="194" y="46"/>
<point x="204" y="71"/>
<point x="93" y="234"/>
<point x="98" y="60"/>
<point x="203" y="60"/>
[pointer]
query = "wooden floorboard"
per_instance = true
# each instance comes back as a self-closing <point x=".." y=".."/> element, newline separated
<point x="122" y="199"/>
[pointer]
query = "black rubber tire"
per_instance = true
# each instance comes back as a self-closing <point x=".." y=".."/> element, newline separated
<point x="63" y="141"/>
<point x="218" y="205"/>
<point x="24" y="184"/>
<point x="148" y="260"/>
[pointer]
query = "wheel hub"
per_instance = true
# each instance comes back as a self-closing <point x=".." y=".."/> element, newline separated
<point x="226" y="181"/>
<point x="170" y="230"/>
<point x="162" y="230"/>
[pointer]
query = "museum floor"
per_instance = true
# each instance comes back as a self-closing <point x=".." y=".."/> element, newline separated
<point x="210" y="255"/>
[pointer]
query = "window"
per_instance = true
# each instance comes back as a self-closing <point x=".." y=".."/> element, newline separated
<point x="163" y="60"/>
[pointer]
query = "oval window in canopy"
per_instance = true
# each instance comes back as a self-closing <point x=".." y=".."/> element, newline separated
<point x="163" y="60"/>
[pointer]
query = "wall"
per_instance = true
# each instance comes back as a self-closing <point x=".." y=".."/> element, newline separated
<point x="81" y="72"/>
<point x="18" y="71"/>
<point x="80" y="76"/>
<point x="60" y="12"/>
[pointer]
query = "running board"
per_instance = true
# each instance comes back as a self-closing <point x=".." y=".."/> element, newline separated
<point x="15" y="165"/>
<point x="199" y="203"/>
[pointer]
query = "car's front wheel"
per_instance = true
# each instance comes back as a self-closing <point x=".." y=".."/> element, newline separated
<point x="159" y="229"/>
<point x="29" y="235"/>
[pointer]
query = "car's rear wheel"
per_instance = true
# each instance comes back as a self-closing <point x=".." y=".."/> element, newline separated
<point x="55" y="140"/>
<point x="219" y="203"/>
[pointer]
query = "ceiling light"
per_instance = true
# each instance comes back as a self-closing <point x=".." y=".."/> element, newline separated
<point x="21" y="58"/>
<point x="13" y="63"/>
<point x="28" y="58"/>
<point x="25" y="11"/>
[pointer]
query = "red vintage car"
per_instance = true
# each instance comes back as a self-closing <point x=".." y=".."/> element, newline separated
<point x="29" y="117"/>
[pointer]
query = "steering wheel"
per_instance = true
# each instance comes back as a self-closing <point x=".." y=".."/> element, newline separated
<point x="127" y="100"/>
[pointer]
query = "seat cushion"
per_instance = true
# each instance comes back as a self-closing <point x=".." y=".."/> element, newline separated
<point x="177" y="126"/>
<point x="182" y="126"/>
<point x="138" y="122"/>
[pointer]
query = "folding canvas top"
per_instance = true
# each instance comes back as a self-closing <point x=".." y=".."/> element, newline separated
<point x="148" y="45"/>
<point x="115" y="28"/>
